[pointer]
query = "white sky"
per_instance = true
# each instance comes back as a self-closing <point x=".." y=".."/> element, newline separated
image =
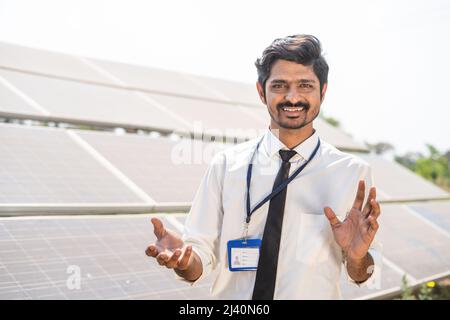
<point x="389" y="60"/>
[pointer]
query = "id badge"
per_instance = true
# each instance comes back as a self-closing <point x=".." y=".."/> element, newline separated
<point x="243" y="254"/>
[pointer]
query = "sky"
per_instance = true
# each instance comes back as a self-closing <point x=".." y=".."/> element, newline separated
<point x="389" y="65"/>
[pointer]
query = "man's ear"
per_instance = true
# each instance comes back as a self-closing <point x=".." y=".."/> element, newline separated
<point x="260" y="92"/>
<point x="324" y="90"/>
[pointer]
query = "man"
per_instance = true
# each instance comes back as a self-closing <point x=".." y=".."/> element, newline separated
<point x="293" y="214"/>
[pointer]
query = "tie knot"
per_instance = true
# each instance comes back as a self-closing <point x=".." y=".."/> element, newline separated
<point x="287" y="154"/>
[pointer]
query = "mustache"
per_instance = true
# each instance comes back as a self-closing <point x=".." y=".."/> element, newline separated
<point x="290" y="104"/>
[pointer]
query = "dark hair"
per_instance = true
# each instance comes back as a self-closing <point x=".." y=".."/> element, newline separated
<point x="301" y="48"/>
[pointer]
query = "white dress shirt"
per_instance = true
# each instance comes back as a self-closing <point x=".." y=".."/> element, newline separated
<point x="310" y="261"/>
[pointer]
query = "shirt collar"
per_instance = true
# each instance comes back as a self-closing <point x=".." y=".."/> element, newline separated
<point x="272" y="145"/>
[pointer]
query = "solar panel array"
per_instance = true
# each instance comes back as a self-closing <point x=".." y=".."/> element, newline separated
<point x="39" y="255"/>
<point x="90" y="91"/>
<point x="47" y="165"/>
<point x="41" y="166"/>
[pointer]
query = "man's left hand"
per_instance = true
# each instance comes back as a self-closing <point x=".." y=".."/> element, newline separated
<point x="355" y="234"/>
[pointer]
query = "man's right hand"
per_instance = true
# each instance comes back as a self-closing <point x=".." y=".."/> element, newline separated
<point x="170" y="251"/>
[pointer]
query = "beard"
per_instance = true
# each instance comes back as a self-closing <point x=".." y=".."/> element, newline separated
<point x="306" y="116"/>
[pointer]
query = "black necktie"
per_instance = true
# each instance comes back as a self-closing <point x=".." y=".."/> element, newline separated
<point x="268" y="258"/>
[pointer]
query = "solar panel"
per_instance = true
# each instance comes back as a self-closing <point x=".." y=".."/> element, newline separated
<point x="214" y="116"/>
<point x="162" y="81"/>
<point x="11" y="102"/>
<point x="73" y="100"/>
<point x="168" y="171"/>
<point x="436" y="212"/>
<point x="238" y="92"/>
<point x="109" y="252"/>
<point x="397" y="182"/>
<point x="44" y="165"/>
<point x="47" y="62"/>
<point x="417" y="247"/>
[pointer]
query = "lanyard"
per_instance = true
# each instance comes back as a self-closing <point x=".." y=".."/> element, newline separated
<point x="278" y="188"/>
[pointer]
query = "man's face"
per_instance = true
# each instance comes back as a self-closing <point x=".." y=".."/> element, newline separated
<point x="292" y="95"/>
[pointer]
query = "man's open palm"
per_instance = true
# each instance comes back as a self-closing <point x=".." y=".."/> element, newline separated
<point x="169" y="249"/>
<point x="355" y="234"/>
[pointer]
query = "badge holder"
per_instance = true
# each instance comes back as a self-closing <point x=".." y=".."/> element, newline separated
<point x="243" y="254"/>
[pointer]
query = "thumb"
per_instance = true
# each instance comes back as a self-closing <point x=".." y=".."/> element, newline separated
<point x="158" y="228"/>
<point x="329" y="213"/>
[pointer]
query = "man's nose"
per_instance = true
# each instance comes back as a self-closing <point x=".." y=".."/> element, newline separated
<point x="293" y="96"/>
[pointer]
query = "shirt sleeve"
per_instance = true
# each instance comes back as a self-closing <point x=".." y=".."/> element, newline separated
<point x="204" y="222"/>
<point x="375" y="249"/>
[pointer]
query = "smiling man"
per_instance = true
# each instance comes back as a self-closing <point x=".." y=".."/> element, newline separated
<point x="288" y="206"/>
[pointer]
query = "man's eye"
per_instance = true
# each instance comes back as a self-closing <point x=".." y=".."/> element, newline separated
<point x="306" y="85"/>
<point x="277" y="86"/>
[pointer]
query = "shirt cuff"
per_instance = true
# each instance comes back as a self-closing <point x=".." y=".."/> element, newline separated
<point x="374" y="270"/>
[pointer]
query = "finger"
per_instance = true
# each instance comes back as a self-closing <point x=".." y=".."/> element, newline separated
<point x="376" y="209"/>
<point x="329" y="213"/>
<point x="359" y="199"/>
<point x="151" y="251"/>
<point x="184" y="261"/>
<point x="162" y="258"/>
<point x="159" y="229"/>
<point x="368" y="205"/>
<point x="173" y="261"/>
<point x="373" y="225"/>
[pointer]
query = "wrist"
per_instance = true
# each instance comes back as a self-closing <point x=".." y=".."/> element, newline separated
<point x="193" y="270"/>
<point x="356" y="260"/>
<point x="360" y="268"/>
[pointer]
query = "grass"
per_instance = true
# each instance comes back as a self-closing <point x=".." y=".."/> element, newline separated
<point x="431" y="290"/>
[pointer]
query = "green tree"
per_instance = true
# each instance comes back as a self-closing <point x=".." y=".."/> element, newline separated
<point x="433" y="167"/>
<point x="409" y="159"/>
